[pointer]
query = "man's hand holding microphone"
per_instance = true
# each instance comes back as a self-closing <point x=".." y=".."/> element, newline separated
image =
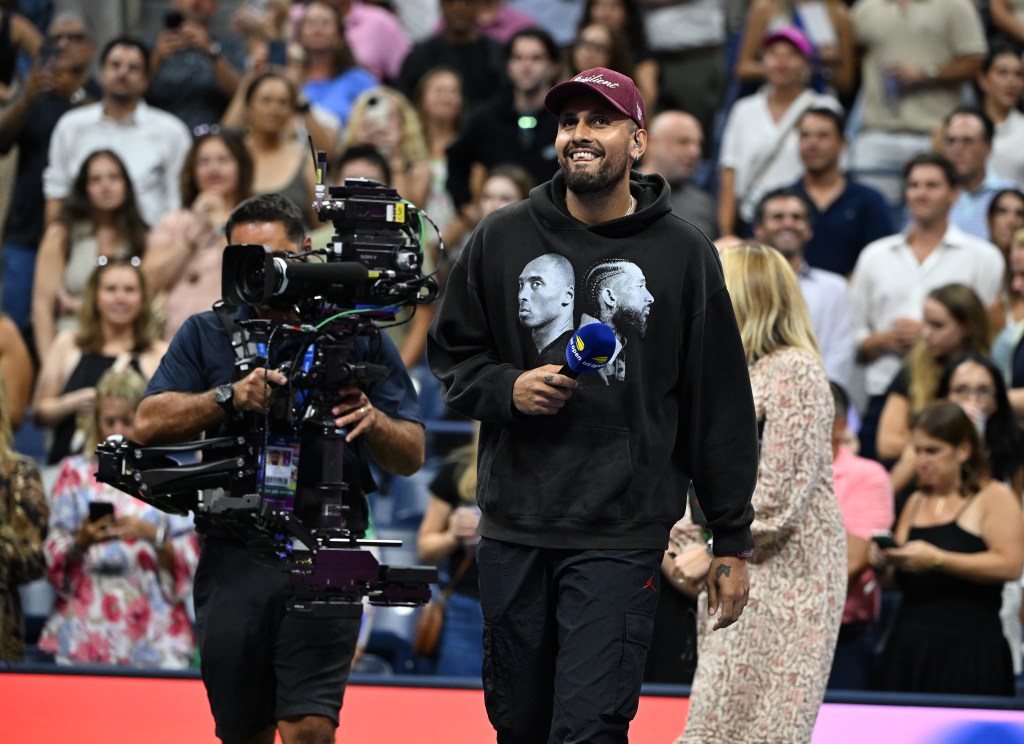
<point x="545" y="390"/>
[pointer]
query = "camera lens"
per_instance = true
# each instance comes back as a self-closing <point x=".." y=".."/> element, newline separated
<point x="252" y="281"/>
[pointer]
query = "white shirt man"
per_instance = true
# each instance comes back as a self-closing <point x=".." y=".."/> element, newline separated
<point x="894" y="274"/>
<point x="151" y="143"/>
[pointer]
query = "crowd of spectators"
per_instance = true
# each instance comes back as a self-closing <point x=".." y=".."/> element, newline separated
<point x="876" y="145"/>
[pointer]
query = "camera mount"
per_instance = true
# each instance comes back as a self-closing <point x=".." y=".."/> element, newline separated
<point x="278" y="482"/>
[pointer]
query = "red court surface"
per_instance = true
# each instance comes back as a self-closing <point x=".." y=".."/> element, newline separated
<point x="73" y="709"/>
<point x="110" y="710"/>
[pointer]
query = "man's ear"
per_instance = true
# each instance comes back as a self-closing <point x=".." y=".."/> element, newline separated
<point x="639" y="143"/>
<point x="607" y="296"/>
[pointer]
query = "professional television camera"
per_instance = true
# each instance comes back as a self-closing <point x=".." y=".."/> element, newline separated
<point x="280" y="480"/>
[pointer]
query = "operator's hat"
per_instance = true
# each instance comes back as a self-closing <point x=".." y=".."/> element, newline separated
<point x="617" y="89"/>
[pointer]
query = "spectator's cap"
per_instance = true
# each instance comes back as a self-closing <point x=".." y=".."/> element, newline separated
<point x="794" y="36"/>
<point x="618" y="89"/>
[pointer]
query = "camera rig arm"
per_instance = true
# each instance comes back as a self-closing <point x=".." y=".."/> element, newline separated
<point x="331" y="571"/>
<point x="154" y="475"/>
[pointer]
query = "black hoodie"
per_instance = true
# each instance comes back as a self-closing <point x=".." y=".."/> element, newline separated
<point x="611" y="469"/>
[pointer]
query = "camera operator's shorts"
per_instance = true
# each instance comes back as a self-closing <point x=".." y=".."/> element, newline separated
<point x="260" y="663"/>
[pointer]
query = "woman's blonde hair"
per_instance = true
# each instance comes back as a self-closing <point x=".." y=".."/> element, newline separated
<point x="925" y="371"/>
<point x="766" y="298"/>
<point x="90" y="332"/>
<point x="116" y="384"/>
<point x="1017" y="241"/>
<point x="413" y="144"/>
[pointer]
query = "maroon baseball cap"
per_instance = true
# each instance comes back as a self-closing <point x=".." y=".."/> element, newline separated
<point x="618" y="89"/>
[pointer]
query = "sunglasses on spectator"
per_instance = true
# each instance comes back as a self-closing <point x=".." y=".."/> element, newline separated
<point x="131" y="261"/>
<point x="204" y="129"/>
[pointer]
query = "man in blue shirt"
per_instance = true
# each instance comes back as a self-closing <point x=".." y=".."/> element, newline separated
<point x="266" y="669"/>
<point x="967" y="141"/>
<point x="846" y="215"/>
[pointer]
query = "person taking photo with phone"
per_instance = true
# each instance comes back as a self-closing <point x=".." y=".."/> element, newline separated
<point x="58" y="82"/>
<point x="195" y="71"/>
<point x="958" y="540"/>
<point x="122" y="569"/>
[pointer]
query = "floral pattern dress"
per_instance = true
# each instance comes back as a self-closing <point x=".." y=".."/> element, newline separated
<point x="23" y="515"/>
<point x="763" y="678"/>
<point x="116" y="605"/>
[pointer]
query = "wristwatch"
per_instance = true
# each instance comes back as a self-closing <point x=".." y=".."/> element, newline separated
<point x="214" y="49"/>
<point x="224" y="395"/>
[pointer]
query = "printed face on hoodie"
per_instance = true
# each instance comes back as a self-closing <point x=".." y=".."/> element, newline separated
<point x="634" y="301"/>
<point x="594" y="145"/>
<point x="546" y="298"/>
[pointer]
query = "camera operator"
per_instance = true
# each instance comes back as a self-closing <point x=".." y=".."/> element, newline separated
<point x="263" y="667"/>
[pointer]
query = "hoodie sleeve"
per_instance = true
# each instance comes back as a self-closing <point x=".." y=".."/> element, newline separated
<point x="718" y="426"/>
<point x="461" y="349"/>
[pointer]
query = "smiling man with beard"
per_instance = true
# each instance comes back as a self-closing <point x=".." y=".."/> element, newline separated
<point x="579" y="485"/>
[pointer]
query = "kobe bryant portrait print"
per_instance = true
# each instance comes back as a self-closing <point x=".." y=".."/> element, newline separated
<point x="545" y="304"/>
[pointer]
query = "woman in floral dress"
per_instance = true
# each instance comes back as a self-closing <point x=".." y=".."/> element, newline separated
<point x="763" y="679"/>
<point x="122" y="580"/>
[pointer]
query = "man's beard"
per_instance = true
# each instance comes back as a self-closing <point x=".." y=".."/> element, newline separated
<point x="590" y="182"/>
<point x="788" y="250"/>
<point x="630" y="318"/>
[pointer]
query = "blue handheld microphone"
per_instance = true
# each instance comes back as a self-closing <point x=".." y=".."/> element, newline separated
<point x="588" y="350"/>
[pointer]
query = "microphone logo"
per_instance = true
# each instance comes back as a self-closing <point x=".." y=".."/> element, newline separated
<point x="599" y="360"/>
<point x="589" y="349"/>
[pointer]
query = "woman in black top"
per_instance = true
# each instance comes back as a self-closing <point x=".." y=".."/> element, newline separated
<point x="115" y="330"/>
<point x="959" y="539"/>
